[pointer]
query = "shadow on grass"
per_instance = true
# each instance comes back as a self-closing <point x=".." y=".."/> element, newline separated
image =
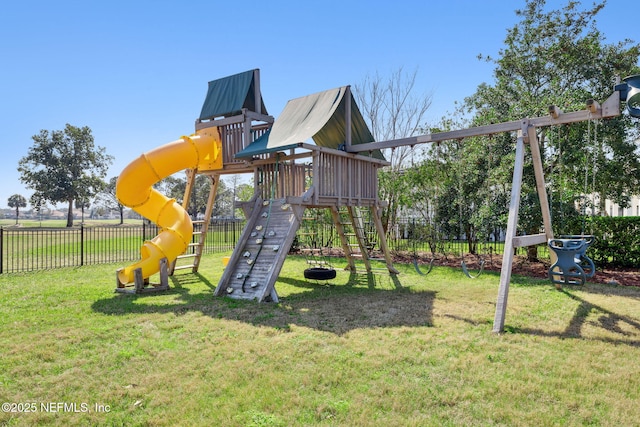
<point x="340" y="308"/>
<point x="607" y="320"/>
<point x="370" y="280"/>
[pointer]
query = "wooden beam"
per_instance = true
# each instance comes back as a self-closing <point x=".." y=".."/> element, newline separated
<point x="235" y="119"/>
<point x="256" y="91"/>
<point x="377" y="220"/>
<point x="610" y="108"/>
<point x="220" y="122"/>
<point x="512" y="225"/>
<point x="335" y="215"/>
<point x="347" y="109"/>
<point x="340" y="153"/>
<point x="554" y="111"/>
<point x="540" y="183"/>
<point x="529" y="240"/>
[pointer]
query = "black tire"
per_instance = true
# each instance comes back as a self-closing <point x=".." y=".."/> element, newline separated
<point x="318" y="273"/>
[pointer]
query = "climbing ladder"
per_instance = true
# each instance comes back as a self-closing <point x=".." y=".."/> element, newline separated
<point x="310" y="243"/>
<point x="192" y="256"/>
<point x="354" y="239"/>
<point x="263" y="246"/>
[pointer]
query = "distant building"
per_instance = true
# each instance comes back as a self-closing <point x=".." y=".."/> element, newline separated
<point x="612" y="209"/>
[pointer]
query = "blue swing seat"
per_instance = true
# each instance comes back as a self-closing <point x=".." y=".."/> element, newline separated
<point x="567" y="270"/>
<point x="581" y="257"/>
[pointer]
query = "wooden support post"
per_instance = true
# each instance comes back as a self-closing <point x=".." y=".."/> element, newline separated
<point x="540" y="183"/>
<point x="164" y="275"/>
<point x="541" y="188"/>
<point x="246" y="129"/>
<point x="383" y="239"/>
<point x="119" y="285"/>
<point x="351" y="266"/>
<point x="512" y="225"/>
<point x="141" y="284"/>
<point x="347" y="109"/>
<point x="257" y="95"/>
<point x="139" y="281"/>
<point x="273" y="295"/>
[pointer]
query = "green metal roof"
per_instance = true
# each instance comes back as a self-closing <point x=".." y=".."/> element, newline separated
<point x="321" y="117"/>
<point x="259" y="146"/>
<point x="229" y="95"/>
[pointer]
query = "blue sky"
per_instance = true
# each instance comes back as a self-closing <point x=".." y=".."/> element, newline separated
<point x="136" y="72"/>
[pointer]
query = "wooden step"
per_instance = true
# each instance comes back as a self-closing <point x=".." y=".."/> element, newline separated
<point x="187" y="256"/>
<point x="183" y="267"/>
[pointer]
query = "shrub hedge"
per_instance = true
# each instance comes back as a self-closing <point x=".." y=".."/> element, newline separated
<point x="617" y="239"/>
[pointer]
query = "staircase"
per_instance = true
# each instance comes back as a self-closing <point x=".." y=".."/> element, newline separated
<point x="263" y="246"/>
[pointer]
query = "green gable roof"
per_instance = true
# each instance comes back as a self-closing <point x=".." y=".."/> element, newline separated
<point x="229" y="95"/>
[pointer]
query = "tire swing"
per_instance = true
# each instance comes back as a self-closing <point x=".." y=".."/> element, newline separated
<point x="321" y="269"/>
<point x="320" y="273"/>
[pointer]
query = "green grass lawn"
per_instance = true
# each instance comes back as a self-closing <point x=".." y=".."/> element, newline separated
<point x="410" y="351"/>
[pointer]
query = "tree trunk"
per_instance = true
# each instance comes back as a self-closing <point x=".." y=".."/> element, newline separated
<point x="532" y="253"/>
<point x="121" y="209"/>
<point x="70" y="214"/>
<point x="17" y="214"/>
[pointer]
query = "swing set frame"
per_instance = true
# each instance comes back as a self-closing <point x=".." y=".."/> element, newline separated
<point x="526" y="134"/>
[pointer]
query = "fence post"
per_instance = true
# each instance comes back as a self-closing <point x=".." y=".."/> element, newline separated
<point x="1" y="249"/>
<point x="81" y="245"/>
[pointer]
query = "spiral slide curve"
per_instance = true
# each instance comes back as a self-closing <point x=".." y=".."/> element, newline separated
<point x="134" y="189"/>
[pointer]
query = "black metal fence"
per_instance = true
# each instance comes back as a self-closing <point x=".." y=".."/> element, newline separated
<point x="31" y="249"/>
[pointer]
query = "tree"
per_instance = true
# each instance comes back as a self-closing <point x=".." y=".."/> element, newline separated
<point x="17" y="201"/>
<point x="559" y="57"/>
<point x="38" y="205"/>
<point x="82" y="204"/>
<point x="175" y="187"/>
<point x="108" y="200"/>
<point x="64" y="165"/>
<point x="392" y="112"/>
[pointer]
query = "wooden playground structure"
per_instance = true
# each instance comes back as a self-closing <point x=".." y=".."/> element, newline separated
<point x="337" y="173"/>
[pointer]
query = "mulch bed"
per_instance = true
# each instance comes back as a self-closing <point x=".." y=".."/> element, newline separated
<point x="617" y="276"/>
<point x="521" y="266"/>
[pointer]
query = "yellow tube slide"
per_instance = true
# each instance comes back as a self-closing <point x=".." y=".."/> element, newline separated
<point x="134" y="189"/>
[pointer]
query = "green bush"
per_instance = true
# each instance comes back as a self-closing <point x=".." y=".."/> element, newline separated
<point x="617" y="239"/>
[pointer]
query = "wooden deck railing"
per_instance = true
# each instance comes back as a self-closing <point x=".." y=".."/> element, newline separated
<point x="337" y="178"/>
<point x="234" y="140"/>
<point x="344" y="179"/>
<point x="290" y="180"/>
